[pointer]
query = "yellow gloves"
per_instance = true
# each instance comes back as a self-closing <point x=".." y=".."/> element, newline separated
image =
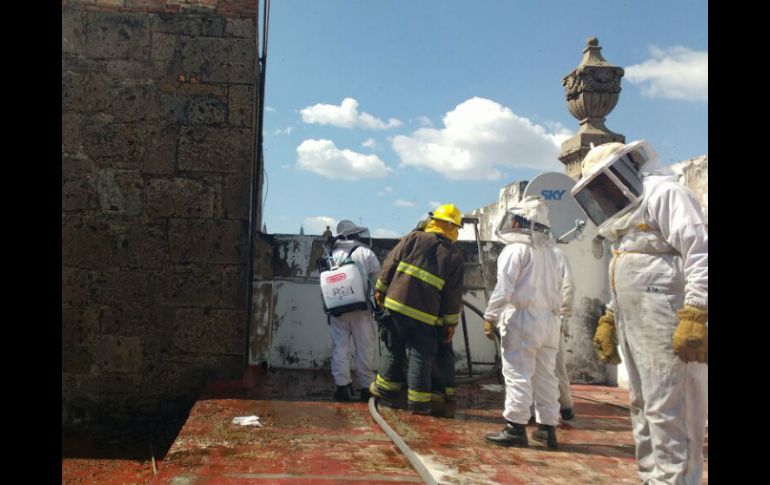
<point x="605" y="340"/>
<point x="691" y="337"/>
<point x="489" y="330"/>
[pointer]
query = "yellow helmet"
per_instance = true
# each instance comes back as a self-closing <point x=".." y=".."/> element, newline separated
<point x="449" y="213"/>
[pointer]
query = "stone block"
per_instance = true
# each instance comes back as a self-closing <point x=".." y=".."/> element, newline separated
<point x="117" y="36"/>
<point x="160" y="156"/>
<point x="76" y="163"/>
<point x="236" y="192"/>
<point x="78" y="192"/>
<point x="194" y="286"/>
<point x="83" y="93"/>
<point x="124" y="287"/>
<point x="71" y="136"/>
<point x="213" y="26"/>
<point x="74" y="287"/>
<point x="209" y="241"/>
<point x="142" y="246"/>
<point x="219" y="60"/>
<point x="152" y="321"/>
<point x="115" y="145"/>
<point x="76" y="360"/>
<point x="174" y="107"/>
<point x="72" y="31"/>
<point x="137" y="4"/>
<point x="132" y="101"/>
<point x="234" y="286"/>
<point x="163" y="46"/>
<point x="86" y="244"/>
<point x="120" y="191"/>
<point x="210" y="331"/>
<point x="180" y="197"/>
<point x="163" y="380"/>
<point x="176" y="24"/>
<point x="117" y="354"/>
<point x="207" y="110"/>
<point x="110" y="320"/>
<point x="79" y="327"/>
<point x="223" y="150"/>
<point x="110" y="389"/>
<point x="241" y="106"/>
<point x="138" y="69"/>
<point x="240" y="28"/>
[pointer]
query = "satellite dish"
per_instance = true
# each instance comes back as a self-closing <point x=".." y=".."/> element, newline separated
<point x="563" y="212"/>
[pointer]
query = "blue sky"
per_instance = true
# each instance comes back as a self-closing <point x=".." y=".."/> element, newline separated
<point x="376" y="111"/>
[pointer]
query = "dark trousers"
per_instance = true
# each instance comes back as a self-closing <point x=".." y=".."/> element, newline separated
<point x="404" y="334"/>
<point x="443" y="374"/>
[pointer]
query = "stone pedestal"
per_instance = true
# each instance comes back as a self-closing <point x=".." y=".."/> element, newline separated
<point x="592" y="90"/>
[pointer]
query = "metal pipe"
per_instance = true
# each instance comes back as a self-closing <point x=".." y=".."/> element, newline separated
<point x="467" y="346"/>
<point x="257" y="166"/>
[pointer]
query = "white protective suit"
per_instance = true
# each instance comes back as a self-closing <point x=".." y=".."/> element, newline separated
<point x="659" y="264"/>
<point x="526" y="304"/>
<point x="358" y="324"/>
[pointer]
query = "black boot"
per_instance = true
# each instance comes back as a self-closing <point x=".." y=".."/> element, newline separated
<point x="364" y="395"/>
<point x="419" y="407"/>
<point x="386" y="398"/>
<point x="545" y="435"/>
<point x="513" y="435"/>
<point x="343" y="394"/>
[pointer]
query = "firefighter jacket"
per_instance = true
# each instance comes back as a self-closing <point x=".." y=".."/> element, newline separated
<point x="422" y="278"/>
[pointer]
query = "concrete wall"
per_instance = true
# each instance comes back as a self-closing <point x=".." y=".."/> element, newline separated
<point x="292" y="331"/>
<point x="157" y="133"/>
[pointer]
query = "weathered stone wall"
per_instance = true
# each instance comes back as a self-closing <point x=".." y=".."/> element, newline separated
<point x="157" y="136"/>
<point x="694" y="174"/>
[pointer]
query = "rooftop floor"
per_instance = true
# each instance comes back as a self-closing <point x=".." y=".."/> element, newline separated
<point x="307" y="438"/>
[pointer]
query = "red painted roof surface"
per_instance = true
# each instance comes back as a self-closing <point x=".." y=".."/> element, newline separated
<point x="307" y="438"/>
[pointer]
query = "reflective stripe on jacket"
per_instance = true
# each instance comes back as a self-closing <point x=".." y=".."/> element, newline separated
<point x="422" y="278"/>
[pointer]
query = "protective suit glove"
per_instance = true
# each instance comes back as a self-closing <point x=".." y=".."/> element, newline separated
<point x="606" y="341"/>
<point x="691" y="337"/>
<point x="489" y="330"/>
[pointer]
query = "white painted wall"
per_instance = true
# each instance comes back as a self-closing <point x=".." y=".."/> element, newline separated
<point x="301" y="339"/>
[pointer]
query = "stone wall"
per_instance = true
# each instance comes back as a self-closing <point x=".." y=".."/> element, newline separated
<point x="157" y="142"/>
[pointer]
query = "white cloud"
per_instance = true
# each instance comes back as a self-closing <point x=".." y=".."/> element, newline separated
<point x="386" y="233"/>
<point x="385" y="191"/>
<point x="285" y="131"/>
<point x="270" y="109"/>
<point x="345" y="115"/>
<point x="433" y="204"/>
<point x="369" y="143"/>
<point x="674" y="73"/>
<point x="324" y="158"/>
<point x="403" y="203"/>
<point x="317" y="225"/>
<point x="480" y="135"/>
<point x="424" y="121"/>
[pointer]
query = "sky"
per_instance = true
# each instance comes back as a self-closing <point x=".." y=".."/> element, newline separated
<point x="379" y="111"/>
